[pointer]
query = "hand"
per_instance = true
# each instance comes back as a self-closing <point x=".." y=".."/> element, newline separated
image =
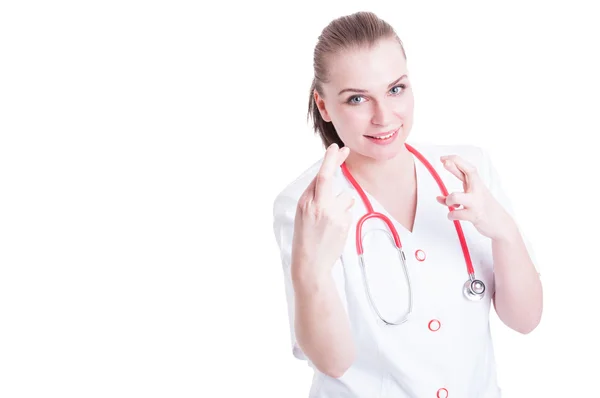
<point x="478" y="204"/>
<point x="322" y="219"/>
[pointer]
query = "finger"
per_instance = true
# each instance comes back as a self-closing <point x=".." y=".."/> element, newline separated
<point x="309" y="192"/>
<point x="334" y="157"/>
<point x="442" y="200"/>
<point x="345" y="201"/>
<point x="460" y="215"/>
<point x="323" y="177"/>
<point x="452" y="168"/>
<point x="462" y="169"/>
<point x="464" y="166"/>
<point x="460" y="199"/>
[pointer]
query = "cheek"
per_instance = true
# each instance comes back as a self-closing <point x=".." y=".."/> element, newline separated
<point x="411" y="104"/>
<point x="346" y="117"/>
<point x="406" y="106"/>
<point x="350" y="121"/>
<point x="356" y="115"/>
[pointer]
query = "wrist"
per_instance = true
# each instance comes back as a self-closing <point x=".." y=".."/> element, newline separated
<point x="510" y="233"/>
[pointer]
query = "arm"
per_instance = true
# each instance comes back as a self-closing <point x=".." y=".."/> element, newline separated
<point x="321" y="324"/>
<point x="518" y="297"/>
<point x="311" y="232"/>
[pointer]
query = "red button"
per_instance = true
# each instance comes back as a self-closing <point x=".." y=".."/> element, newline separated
<point x="434" y="325"/>
<point x="420" y="255"/>
<point x="442" y="393"/>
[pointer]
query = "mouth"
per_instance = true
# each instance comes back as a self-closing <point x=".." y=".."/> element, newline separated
<point x="385" y="136"/>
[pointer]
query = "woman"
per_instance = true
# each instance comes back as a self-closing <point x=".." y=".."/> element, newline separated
<point x="395" y="323"/>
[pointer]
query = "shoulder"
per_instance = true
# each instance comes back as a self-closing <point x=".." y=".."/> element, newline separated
<point x="298" y="184"/>
<point x="287" y="199"/>
<point x="475" y="155"/>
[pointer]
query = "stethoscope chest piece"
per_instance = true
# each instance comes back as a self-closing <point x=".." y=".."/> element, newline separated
<point x="474" y="289"/>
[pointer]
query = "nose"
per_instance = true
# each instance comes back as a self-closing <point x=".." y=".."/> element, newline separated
<point x="383" y="113"/>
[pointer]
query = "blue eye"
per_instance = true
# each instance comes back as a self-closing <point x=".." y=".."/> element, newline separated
<point x="351" y="99"/>
<point x="396" y="89"/>
<point x="358" y="99"/>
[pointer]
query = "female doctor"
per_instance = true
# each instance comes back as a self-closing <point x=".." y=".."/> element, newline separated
<point x="393" y="253"/>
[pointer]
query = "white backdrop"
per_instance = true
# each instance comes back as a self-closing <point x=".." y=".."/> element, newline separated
<point x="142" y="145"/>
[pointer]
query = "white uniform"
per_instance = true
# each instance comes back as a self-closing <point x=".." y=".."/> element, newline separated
<point x="445" y="348"/>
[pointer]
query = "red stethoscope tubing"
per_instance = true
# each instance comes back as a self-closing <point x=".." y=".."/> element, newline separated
<point x="373" y="214"/>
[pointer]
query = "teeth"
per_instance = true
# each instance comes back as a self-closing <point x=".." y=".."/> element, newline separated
<point x="385" y="136"/>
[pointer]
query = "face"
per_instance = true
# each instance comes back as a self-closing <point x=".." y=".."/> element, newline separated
<point x="368" y="97"/>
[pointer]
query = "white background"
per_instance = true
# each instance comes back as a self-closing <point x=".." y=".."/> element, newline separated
<point x="142" y="145"/>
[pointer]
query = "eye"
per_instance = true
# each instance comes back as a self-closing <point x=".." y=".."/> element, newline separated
<point x="397" y="89"/>
<point x="355" y="100"/>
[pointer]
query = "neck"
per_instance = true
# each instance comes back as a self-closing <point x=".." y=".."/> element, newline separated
<point x="378" y="173"/>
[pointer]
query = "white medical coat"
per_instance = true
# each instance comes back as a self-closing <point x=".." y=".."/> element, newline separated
<point x="445" y="348"/>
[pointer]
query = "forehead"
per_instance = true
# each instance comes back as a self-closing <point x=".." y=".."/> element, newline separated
<point x="367" y="67"/>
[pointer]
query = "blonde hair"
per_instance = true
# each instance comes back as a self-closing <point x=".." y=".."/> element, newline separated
<point x="358" y="30"/>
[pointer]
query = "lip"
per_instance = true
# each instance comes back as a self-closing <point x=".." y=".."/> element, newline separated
<point x="384" y="141"/>
<point x="383" y="134"/>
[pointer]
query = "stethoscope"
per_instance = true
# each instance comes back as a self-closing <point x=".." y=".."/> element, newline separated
<point x="473" y="289"/>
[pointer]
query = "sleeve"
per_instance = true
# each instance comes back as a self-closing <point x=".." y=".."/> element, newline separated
<point x="494" y="184"/>
<point x="284" y="213"/>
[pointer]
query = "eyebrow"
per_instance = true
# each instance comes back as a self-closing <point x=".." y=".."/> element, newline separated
<point x="359" y="90"/>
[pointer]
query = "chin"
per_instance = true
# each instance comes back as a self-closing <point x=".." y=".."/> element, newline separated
<point x="389" y="152"/>
<point x="381" y="155"/>
<point x="388" y="156"/>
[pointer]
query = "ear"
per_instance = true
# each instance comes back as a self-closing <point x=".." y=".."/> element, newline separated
<point x="321" y="106"/>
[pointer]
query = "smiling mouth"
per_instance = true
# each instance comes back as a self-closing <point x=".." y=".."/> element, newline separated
<point x="384" y="137"/>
